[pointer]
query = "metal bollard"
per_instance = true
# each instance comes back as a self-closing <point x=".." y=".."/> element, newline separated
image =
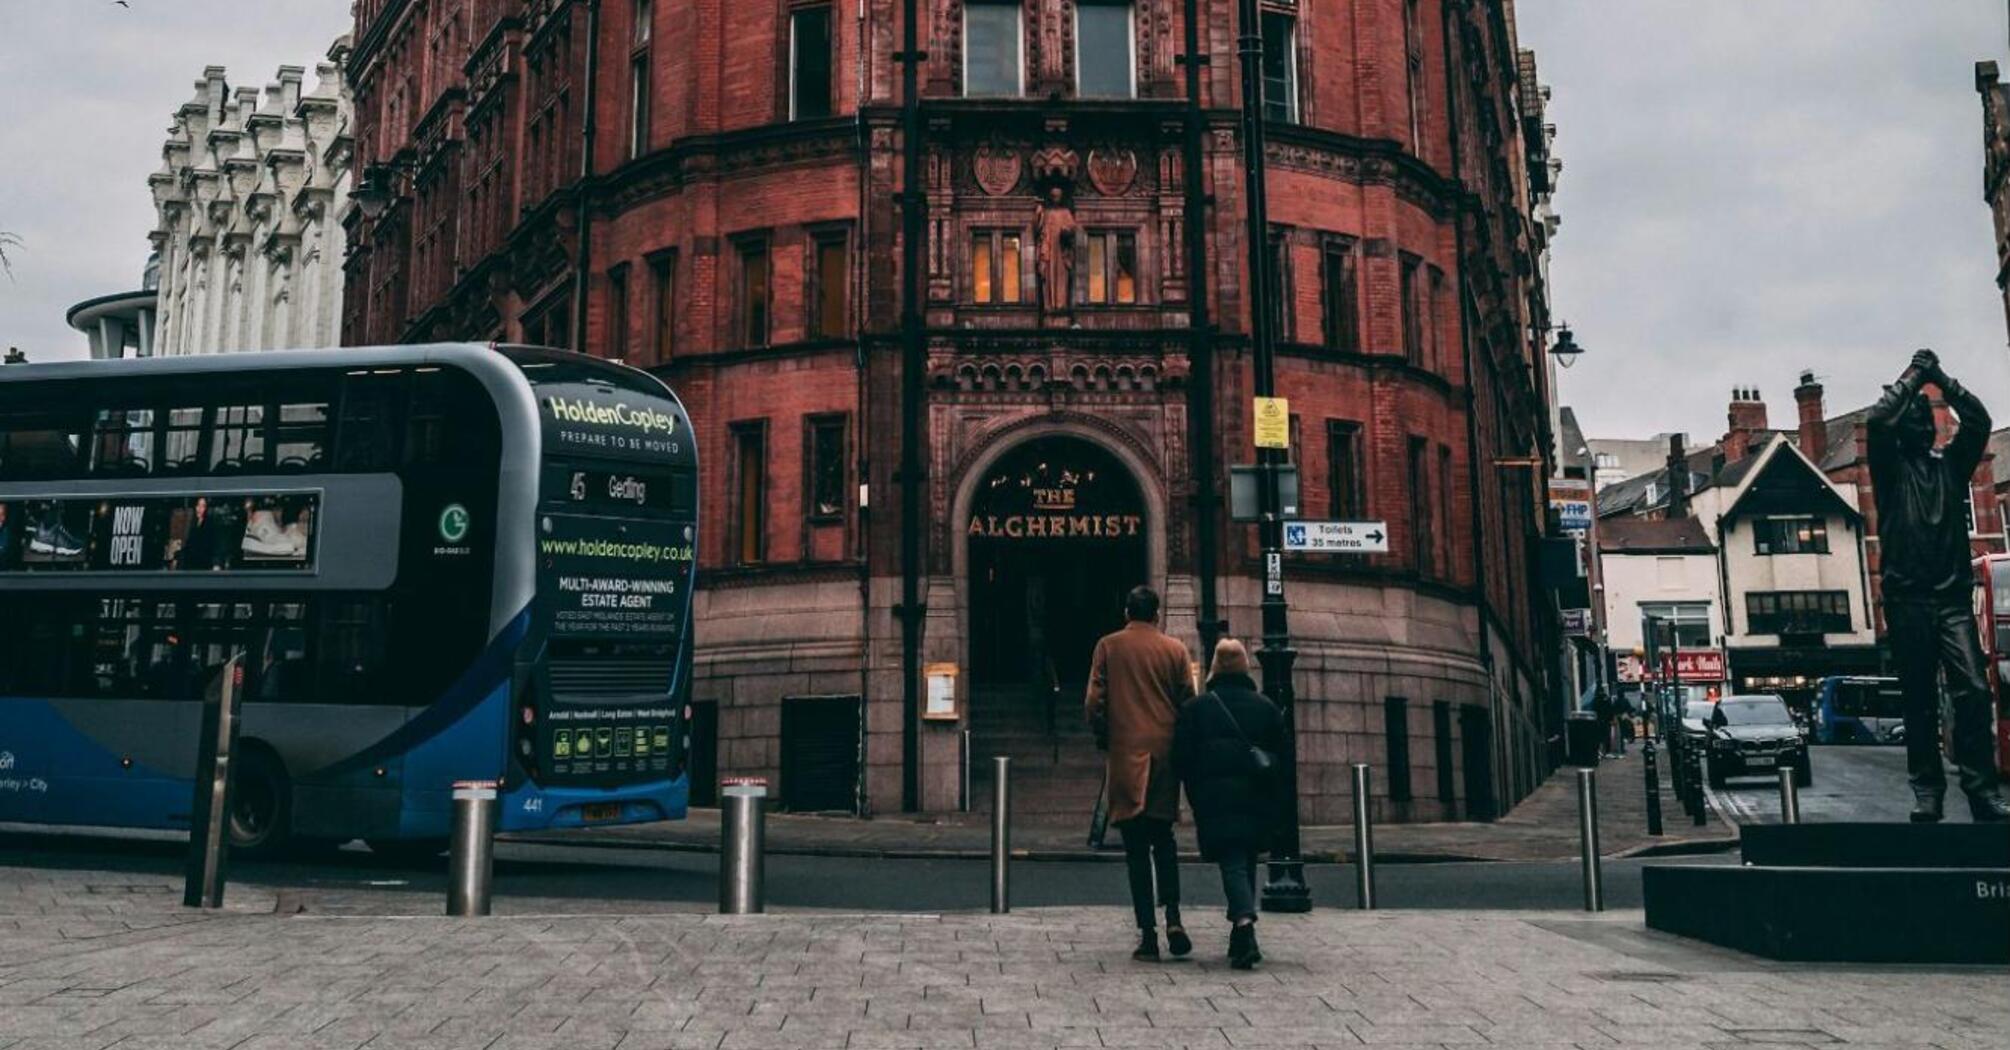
<point x="206" y="869"/>
<point x="1652" y="769"/>
<point x="1364" y="843"/>
<point x="471" y="851"/>
<point x="743" y="853"/>
<point x="1790" y="797"/>
<point x="1001" y="834"/>
<point x="1587" y="834"/>
<point x="1697" y="772"/>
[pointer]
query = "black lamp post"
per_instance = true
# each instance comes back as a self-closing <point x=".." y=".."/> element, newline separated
<point x="1286" y="889"/>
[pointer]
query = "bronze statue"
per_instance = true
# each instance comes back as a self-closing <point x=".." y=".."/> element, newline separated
<point x="1922" y="525"/>
<point x="1054" y="233"/>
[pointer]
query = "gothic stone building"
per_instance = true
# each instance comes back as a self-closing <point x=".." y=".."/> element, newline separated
<point x="249" y="240"/>
<point x="712" y="191"/>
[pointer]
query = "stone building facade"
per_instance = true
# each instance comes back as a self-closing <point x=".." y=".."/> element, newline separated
<point x="712" y="191"/>
<point x="248" y="200"/>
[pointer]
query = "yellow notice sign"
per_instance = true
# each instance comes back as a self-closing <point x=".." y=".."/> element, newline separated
<point x="1273" y="422"/>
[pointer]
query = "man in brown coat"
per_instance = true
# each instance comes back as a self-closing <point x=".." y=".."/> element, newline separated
<point x="1137" y="682"/>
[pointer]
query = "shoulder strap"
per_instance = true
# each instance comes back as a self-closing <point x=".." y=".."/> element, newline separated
<point x="1219" y="702"/>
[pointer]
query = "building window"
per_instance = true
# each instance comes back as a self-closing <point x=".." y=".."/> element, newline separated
<point x="1798" y="612"/>
<point x="617" y="313"/>
<point x="994" y="266"/>
<point x="1280" y="284"/>
<point x="1445" y="508"/>
<point x="1434" y="311"/>
<point x="810" y="63"/>
<point x="1421" y="540"/>
<point x="993" y="40"/>
<point x="1413" y="46"/>
<point x="1280" y="67"/>
<point x="1396" y="730"/>
<point x="753" y="293"/>
<point x="663" y="307"/>
<point x="551" y="323"/>
<point x="827" y="291"/>
<point x="1800" y="535"/>
<point x="638" y="106"/>
<point x="750" y="493"/>
<point x="1346" y="483"/>
<point x="1413" y="316"/>
<point x="1111" y="269"/>
<point x="1689" y="620"/>
<point x="643" y="23"/>
<point x="827" y="467"/>
<point x="1340" y="295"/>
<point x="1105" y="49"/>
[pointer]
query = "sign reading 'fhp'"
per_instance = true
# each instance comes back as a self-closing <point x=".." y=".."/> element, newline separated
<point x="1337" y="537"/>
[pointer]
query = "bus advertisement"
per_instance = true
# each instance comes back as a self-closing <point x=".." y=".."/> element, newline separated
<point x="440" y="563"/>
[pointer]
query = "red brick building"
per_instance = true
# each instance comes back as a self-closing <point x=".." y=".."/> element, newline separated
<point x="712" y="191"/>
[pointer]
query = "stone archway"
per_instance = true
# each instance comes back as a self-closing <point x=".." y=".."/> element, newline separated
<point x="1051" y="525"/>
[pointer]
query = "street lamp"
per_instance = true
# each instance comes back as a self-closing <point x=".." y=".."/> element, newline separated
<point x="1565" y="349"/>
<point x="377" y="188"/>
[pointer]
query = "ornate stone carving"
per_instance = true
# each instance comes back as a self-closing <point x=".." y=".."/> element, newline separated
<point x="996" y="168"/>
<point x="1056" y="164"/>
<point x="1112" y="170"/>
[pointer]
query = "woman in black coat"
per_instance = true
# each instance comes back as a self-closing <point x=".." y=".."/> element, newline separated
<point x="1222" y="745"/>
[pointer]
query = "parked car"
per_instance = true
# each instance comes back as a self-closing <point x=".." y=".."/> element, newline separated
<point x="1753" y="736"/>
<point x="1696" y="719"/>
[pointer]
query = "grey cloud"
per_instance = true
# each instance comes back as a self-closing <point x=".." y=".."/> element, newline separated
<point x="1754" y="188"/>
<point x="86" y="90"/>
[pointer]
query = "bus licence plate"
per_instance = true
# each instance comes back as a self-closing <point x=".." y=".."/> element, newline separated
<point x="599" y="811"/>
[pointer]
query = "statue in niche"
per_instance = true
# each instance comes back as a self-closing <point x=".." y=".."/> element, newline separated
<point x="1054" y="234"/>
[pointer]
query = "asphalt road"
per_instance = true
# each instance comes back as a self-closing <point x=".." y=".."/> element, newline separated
<point x="1851" y="783"/>
<point x="345" y="880"/>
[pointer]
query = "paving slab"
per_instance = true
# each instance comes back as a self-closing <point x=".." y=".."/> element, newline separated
<point x="162" y="976"/>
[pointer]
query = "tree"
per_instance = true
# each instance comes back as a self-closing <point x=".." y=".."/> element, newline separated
<point x="8" y="240"/>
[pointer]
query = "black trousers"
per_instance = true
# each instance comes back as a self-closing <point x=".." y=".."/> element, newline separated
<point x="1238" y="883"/>
<point x="1149" y="849"/>
<point x="1928" y="639"/>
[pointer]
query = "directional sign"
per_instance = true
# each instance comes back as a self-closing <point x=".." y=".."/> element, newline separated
<point x="1337" y="537"/>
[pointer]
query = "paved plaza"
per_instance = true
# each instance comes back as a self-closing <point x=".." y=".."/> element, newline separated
<point x="98" y="960"/>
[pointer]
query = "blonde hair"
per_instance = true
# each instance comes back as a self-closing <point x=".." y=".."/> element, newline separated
<point x="1230" y="657"/>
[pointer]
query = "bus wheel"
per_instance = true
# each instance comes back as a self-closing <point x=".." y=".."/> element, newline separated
<point x="261" y="804"/>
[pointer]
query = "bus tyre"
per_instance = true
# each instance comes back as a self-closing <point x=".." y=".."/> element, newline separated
<point x="1717" y="777"/>
<point x="261" y="804"/>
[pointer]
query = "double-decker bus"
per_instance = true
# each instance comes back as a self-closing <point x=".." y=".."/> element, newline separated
<point x="1992" y="611"/>
<point x="440" y="563"/>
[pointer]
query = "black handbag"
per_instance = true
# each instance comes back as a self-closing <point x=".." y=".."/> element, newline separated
<point x="1261" y="762"/>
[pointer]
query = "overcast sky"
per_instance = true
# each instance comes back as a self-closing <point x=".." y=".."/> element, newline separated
<point x="1749" y="188"/>
<point x="1754" y="188"/>
<point x="86" y="90"/>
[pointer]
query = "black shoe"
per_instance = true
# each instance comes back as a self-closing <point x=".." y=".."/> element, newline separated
<point x="1178" y="942"/>
<point x="1991" y="808"/>
<point x="1242" y="951"/>
<point x="1148" y="947"/>
<point x="1926" y="806"/>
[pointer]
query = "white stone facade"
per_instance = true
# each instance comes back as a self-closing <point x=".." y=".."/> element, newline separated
<point x="249" y="199"/>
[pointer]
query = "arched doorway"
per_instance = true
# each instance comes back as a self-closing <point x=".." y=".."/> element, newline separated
<point x="1057" y="532"/>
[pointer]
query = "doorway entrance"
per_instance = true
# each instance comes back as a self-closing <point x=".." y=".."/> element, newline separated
<point x="1057" y="535"/>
